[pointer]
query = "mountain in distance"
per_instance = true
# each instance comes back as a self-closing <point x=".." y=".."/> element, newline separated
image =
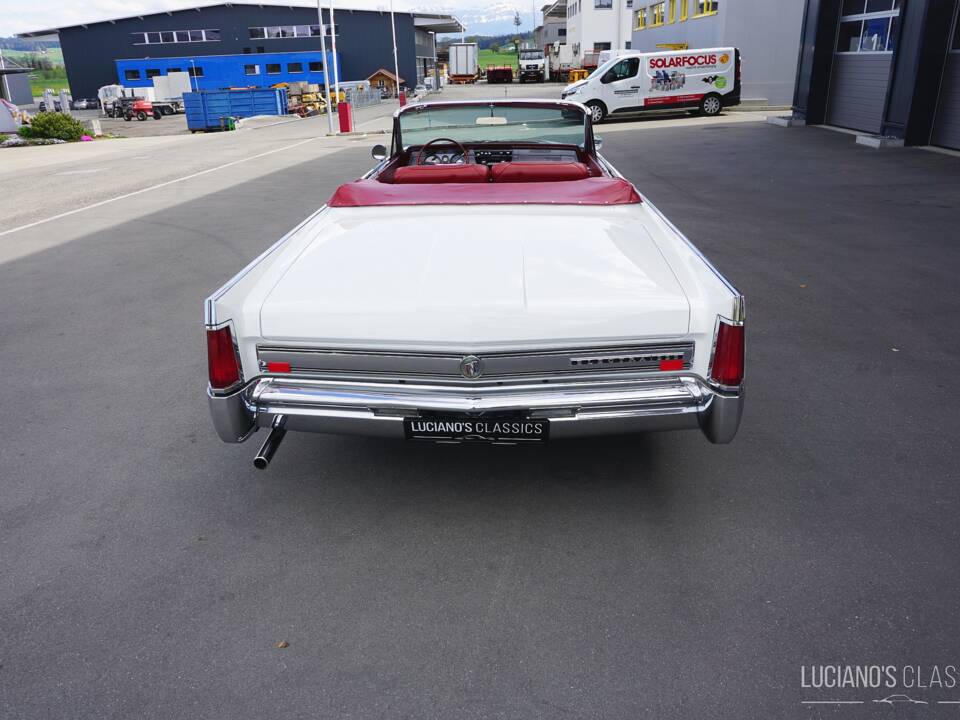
<point x="495" y="18"/>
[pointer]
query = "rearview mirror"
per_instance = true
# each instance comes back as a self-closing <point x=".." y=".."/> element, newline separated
<point x="379" y="152"/>
<point x="597" y="142"/>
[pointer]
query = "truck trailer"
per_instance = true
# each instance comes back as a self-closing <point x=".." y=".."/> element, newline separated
<point x="463" y="62"/>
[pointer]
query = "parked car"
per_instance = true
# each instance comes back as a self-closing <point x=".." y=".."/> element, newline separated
<point x="707" y="79"/>
<point x="558" y="302"/>
<point x="85" y="104"/>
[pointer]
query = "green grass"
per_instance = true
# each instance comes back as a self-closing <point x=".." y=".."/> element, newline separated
<point x="489" y="57"/>
<point x="54" y="55"/>
<point x="56" y="84"/>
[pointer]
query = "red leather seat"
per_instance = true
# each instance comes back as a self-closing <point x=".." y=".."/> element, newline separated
<point x="470" y="173"/>
<point x="521" y="172"/>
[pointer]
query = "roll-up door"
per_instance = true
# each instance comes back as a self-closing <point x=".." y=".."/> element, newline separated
<point x="946" y="127"/>
<point x="866" y="40"/>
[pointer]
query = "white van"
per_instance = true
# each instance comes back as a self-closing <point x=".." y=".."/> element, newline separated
<point x="708" y="79"/>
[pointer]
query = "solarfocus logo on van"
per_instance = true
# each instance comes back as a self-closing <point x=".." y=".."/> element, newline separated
<point x="661" y="63"/>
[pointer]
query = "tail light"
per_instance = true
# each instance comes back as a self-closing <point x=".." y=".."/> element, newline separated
<point x="727" y="367"/>
<point x="222" y="359"/>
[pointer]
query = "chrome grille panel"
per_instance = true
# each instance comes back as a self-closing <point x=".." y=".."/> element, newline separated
<point x="495" y="365"/>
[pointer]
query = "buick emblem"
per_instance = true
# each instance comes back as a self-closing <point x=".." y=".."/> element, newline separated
<point x="471" y="367"/>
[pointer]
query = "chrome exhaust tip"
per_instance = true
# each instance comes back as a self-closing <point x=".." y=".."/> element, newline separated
<point x="263" y="457"/>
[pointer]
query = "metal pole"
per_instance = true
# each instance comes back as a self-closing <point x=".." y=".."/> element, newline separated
<point x="396" y="66"/>
<point x="6" y="83"/>
<point x="333" y="36"/>
<point x="326" y="68"/>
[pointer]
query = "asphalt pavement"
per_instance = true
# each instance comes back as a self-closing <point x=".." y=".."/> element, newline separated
<point x="147" y="570"/>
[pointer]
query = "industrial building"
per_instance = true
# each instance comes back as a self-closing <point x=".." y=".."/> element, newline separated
<point x="554" y="26"/>
<point x="767" y="34"/>
<point x="884" y="67"/>
<point x="237" y="45"/>
<point x="597" y="25"/>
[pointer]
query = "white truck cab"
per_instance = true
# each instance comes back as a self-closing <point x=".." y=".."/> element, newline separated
<point x="532" y="65"/>
<point x="708" y="79"/>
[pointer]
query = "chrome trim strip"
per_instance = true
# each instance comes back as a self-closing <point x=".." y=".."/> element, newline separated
<point x="209" y="305"/>
<point x="694" y="248"/>
<point x="495" y="365"/>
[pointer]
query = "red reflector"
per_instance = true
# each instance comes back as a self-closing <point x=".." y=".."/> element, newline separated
<point x="728" y="355"/>
<point x="278" y="367"/>
<point x="221" y="359"/>
<point x="671" y="364"/>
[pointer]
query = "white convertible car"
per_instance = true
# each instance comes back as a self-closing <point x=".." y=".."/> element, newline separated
<point x="492" y="279"/>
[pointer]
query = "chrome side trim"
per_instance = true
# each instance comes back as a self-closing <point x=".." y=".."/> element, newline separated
<point x="209" y="305"/>
<point x="703" y="258"/>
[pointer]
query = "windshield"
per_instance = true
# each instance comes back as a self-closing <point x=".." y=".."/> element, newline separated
<point x="603" y="68"/>
<point x="493" y="123"/>
<point x="531" y="54"/>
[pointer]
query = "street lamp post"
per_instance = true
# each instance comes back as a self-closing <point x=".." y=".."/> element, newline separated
<point x="326" y="68"/>
<point x="333" y="38"/>
<point x="396" y="65"/>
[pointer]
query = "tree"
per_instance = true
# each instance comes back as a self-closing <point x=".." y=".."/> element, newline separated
<point x="495" y="47"/>
<point x="516" y="20"/>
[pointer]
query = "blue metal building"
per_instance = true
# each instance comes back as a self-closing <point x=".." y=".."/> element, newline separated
<point x="233" y="44"/>
<point x="212" y="72"/>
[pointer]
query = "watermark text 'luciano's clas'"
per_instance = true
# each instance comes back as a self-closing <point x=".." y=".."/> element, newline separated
<point x="916" y="677"/>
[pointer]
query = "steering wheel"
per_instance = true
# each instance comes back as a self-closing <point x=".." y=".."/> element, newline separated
<point x="463" y="150"/>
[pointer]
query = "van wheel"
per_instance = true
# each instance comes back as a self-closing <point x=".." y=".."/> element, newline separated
<point x="598" y="111"/>
<point x="711" y="105"/>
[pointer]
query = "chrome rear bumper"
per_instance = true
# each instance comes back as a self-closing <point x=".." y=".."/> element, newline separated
<point x="574" y="409"/>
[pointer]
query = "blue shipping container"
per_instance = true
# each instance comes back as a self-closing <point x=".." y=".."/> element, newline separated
<point x="205" y="109"/>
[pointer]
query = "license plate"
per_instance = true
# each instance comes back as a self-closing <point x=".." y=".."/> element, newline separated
<point x="471" y="429"/>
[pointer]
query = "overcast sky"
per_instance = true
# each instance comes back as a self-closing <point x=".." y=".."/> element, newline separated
<point x="24" y="15"/>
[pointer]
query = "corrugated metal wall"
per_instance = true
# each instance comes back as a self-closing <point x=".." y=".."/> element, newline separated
<point x="858" y="90"/>
<point x="946" y="128"/>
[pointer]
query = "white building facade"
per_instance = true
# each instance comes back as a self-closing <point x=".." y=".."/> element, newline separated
<point x="766" y="31"/>
<point x="596" y="25"/>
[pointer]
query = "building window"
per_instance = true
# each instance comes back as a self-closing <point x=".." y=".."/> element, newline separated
<point x="273" y="68"/>
<point x="195" y="71"/>
<point x="131" y="74"/>
<point x="251" y="69"/>
<point x="603" y="4"/>
<point x="600" y="47"/>
<point x="561" y="32"/>
<point x="866" y="29"/>
<point x="629" y="4"/>
<point x="315" y="66"/>
<point x="657" y="13"/>
<point x="167" y="37"/>
<point x="706" y="7"/>
<point x="170" y="70"/>
<point x="280" y="32"/>
<point x="294" y="67"/>
<point x="640" y="19"/>
<point x="627" y="44"/>
<point x="152" y="73"/>
<point x="683" y="10"/>
<point x="672" y="11"/>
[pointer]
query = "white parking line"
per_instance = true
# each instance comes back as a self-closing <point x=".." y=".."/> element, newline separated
<point x="154" y="187"/>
